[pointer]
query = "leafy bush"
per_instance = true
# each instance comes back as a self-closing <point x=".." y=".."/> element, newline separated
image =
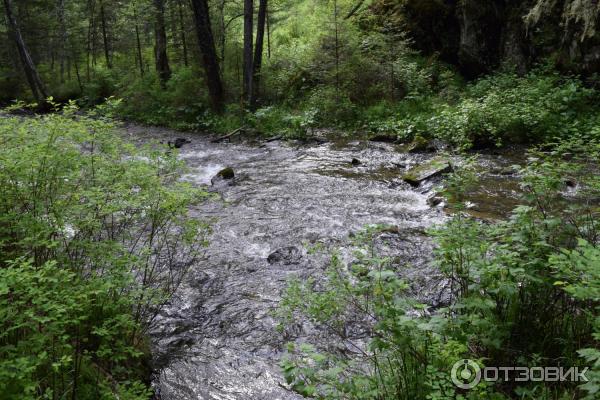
<point x="181" y="104"/>
<point x="102" y="86"/>
<point x="506" y="108"/>
<point x="93" y="240"/>
<point x="331" y="107"/>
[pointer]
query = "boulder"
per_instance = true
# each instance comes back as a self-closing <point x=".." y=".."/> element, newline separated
<point x="355" y="162"/>
<point x="226" y="174"/>
<point x="435" y="201"/>
<point x="178" y="143"/>
<point x="285" y="255"/>
<point x="428" y="170"/>
<point x="418" y="145"/>
<point x="383" y="138"/>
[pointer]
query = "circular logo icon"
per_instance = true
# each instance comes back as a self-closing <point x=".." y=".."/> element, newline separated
<point x="465" y="374"/>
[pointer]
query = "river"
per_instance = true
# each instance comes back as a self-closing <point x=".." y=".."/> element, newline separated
<point x="217" y="339"/>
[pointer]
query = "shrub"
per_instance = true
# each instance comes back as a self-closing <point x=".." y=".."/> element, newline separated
<point x="101" y="87"/>
<point x="180" y="105"/>
<point x="507" y="108"/>
<point x="93" y="240"/>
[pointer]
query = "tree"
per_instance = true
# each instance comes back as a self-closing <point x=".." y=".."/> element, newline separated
<point x="138" y="41"/>
<point x="160" y="49"/>
<point x="105" y="35"/>
<point x="33" y="78"/>
<point x="258" y="51"/>
<point x="182" y="33"/>
<point x="209" y="54"/>
<point x="247" y="58"/>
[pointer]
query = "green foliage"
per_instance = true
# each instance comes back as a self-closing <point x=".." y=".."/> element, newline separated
<point x="102" y="86"/>
<point x="505" y="108"/>
<point x="180" y="105"/>
<point x="523" y="292"/>
<point x="93" y="240"/>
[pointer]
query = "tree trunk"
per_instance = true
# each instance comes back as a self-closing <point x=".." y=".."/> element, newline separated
<point x="160" y="43"/>
<point x="337" y="46"/>
<point x="105" y="36"/>
<point x="209" y="54"/>
<point x="248" y="39"/>
<point x="89" y="38"/>
<point x="258" y="50"/>
<point x="138" y="42"/>
<point x="182" y="32"/>
<point x="35" y="83"/>
<point x="223" y="33"/>
<point x="62" y="49"/>
<point x="268" y="33"/>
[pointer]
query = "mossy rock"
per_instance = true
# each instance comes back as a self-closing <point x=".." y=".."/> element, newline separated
<point x="428" y="170"/>
<point x="418" y="145"/>
<point x="224" y="174"/>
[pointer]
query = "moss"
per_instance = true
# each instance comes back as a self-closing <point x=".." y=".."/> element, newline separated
<point x="430" y="169"/>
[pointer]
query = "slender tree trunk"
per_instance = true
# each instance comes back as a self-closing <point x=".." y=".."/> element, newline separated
<point x="182" y="33"/>
<point x="33" y="78"/>
<point x="138" y="42"/>
<point x="337" y="46"/>
<point x="62" y="46"/>
<point x="89" y="38"/>
<point x="258" y="50"/>
<point x="268" y="33"/>
<point x="105" y="36"/>
<point x="248" y="39"/>
<point x="78" y="74"/>
<point x="160" y="43"/>
<point x="223" y="31"/>
<point x="209" y="54"/>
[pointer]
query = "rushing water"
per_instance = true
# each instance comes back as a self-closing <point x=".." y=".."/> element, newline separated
<point x="217" y="338"/>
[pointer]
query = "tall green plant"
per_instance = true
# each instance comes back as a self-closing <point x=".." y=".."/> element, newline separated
<point x="94" y="238"/>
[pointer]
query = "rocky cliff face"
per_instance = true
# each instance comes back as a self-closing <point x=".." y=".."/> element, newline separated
<point x="481" y="35"/>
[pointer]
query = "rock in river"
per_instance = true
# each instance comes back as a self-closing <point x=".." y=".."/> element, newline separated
<point x="430" y="169"/>
<point x="285" y="255"/>
<point x="225" y="174"/>
<point x="178" y="143"/>
<point x="418" y="145"/>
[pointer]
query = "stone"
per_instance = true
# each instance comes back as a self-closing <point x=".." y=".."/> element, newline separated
<point x="225" y="174"/>
<point x="435" y="201"/>
<point x="355" y="162"/>
<point x="285" y="255"/>
<point x="178" y="143"/>
<point x="418" y="145"/>
<point x="428" y="170"/>
<point x="383" y="138"/>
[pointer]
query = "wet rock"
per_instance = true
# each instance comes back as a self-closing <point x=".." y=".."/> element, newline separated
<point x="285" y="255"/>
<point x="383" y="138"/>
<point x="178" y="143"/>
<point x="225" y="174"/>
<point x="393" y="229"/>
<point x="567" y="156"/>
<point x="428" y="170"/>
<point x="355" y="162"/>
<point x="506" y="171"/>
<point x="435" y="201"/>
<point x="419" y="145"/>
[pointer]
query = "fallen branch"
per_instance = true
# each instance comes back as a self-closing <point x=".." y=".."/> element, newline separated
<point x="220" y="139"/>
